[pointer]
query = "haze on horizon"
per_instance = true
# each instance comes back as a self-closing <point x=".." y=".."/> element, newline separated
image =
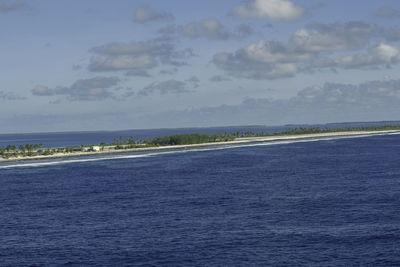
<point x="108" y="65"/>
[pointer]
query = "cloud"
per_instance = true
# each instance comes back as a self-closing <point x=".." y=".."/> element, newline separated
<point x="387" y="13"/>
<point x="331" y="102"/>
<point x="382" y="54"/>
<point x="10" y="96"/>
<point x="218" y="78"/>
<point x="194" y="81"/>
<point x="244" y="30"/>
<point x="136" y="56"/>
<point x="335" y="37"/>
<point x="41" y="90"/>
<point x="283" y="10"/>
<point x="354" y="98"/>
<point x="138" y="73"/>
<point x="9" y="6"/>
<point x="262" y="60"/>
<point x="314" y="48"/>
<point x="169" y="71"/>
<point x="209" y="28"/>
<point x="144" y="14"/>
<point x="97" y="88"/>
<point x="393" y="34"/>
<point x="165" y="87"/>
<point x="77" y="67"/>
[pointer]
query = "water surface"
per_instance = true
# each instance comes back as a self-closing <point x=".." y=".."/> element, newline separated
<point x="324" y="203"/>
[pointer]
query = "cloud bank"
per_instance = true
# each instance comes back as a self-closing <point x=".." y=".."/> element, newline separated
<point x="331" y="102"/>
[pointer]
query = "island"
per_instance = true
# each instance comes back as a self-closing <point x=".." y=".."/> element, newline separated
<point x="181" y="141"/>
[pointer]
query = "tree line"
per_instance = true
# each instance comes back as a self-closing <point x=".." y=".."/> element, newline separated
<point x="175" y="139"/>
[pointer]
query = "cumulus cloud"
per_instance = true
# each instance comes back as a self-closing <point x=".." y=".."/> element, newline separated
<point x="97" y="88"/>
<point x="136" y="56"/>
<point x="284" y="10"/>
<point x="387" y="13"/>
<point x="314" y="48"/>
<point x="144" y="14"/>
<point x="382" y="54"/>
<point x="335" y="37"/>
<point x="10" y="96"/>
<point x="9" y="6"/>
<point x="164" y="87"/>
<point x="262" y="60"/>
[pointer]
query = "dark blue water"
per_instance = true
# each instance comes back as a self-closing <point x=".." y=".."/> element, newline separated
<point x="323" y="203"/>
<point x="90" y="138"/>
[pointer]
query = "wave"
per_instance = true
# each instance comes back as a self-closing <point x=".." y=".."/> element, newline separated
<point x="129" y="155"/>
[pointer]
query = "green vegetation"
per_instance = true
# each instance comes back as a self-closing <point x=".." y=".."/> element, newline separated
<point x="187" y="139"/>
<point x="31" y="150"/>
<point x="296" y="131"/>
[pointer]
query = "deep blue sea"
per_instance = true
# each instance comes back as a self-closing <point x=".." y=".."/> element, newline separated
<point x="320" y="202"/>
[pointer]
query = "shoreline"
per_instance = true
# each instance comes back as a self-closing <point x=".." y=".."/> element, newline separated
<point x="240" y="140"/>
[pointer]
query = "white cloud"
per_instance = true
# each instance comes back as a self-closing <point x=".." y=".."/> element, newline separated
<point x="272" y="9"/>
<point x="382" y="54"/>
<point x="262" y="60"/>
<point x="314" y="48"/>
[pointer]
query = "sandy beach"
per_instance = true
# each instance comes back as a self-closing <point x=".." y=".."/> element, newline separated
<point x="236" y="141"/>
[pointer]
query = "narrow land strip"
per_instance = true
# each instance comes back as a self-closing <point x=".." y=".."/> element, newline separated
<point x="239" y="140"/>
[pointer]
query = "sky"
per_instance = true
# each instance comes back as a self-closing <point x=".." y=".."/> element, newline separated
<point x="111" y="65"/>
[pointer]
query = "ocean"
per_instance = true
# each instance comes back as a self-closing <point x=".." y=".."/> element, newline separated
<point x="317" y="202"/>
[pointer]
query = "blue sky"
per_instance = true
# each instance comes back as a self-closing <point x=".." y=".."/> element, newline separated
<point x="106" y="65"/>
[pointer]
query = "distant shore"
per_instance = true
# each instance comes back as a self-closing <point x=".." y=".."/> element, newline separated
<point x="239" y="140"/>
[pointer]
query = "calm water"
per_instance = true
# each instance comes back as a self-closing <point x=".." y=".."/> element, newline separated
<point x="322" y="203"/>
